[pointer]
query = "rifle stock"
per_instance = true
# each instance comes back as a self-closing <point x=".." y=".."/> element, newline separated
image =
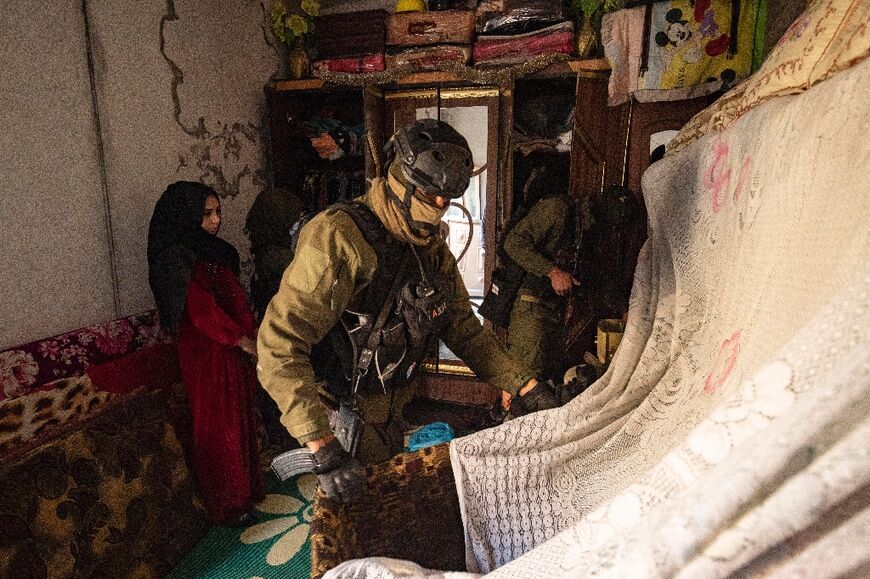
<point x="348" y="431"/>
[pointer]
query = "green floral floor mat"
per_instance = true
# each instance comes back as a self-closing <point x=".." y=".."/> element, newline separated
<point x="276" y="545"/>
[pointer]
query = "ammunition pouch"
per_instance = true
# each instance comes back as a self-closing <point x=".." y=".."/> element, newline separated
<point x="349" y="427"/>
<point x="380" y="346"/>
<point x="388" y="360"/>
<point x="422" y="307"/>
<point x="499" y="300"/>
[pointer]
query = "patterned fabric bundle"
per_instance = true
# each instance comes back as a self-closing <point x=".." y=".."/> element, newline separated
<point x="556" y="39"/>
<point x="425" y="57"/>
<point x="364" y="63"/>
<point x="731" y="433"/>
<point x="678" y="49"/>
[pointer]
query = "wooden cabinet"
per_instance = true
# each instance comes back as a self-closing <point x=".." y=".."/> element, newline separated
<point x="297" y="119"/>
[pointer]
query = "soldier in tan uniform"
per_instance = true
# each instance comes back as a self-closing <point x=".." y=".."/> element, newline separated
<point x="378" y="267"/>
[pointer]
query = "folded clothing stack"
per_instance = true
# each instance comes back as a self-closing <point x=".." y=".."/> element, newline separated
<point x="363" y="63"/>
<point x="428" y="28"/>
<point x="350" y="42"/>
<point x="508" y="17"/>
<point x="425" y="39"/>
<point x="427" y="57"/>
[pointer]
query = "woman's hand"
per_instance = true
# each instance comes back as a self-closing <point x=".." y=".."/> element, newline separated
<point x="248" y="345"/>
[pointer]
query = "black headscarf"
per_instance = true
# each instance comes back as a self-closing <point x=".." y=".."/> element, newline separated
<point x="176" y="240"/>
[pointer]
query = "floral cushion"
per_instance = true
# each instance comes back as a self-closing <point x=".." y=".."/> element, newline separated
<point x="113" y="498"/>
<point x="410" y="510"/>
<point x="33" y="366"/>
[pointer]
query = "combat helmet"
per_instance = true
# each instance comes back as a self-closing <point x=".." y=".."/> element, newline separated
<point x="433" y="156"/>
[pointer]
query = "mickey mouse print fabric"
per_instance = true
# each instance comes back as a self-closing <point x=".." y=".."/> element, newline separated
<point x="679" y="49"/>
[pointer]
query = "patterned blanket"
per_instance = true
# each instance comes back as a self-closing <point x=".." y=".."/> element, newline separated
<point x="33" y="366"/>
<point x="112" y="498"/>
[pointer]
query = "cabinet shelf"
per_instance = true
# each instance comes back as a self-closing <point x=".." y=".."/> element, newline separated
<point x="584" y="67"/>
<point x="301" y="84"/>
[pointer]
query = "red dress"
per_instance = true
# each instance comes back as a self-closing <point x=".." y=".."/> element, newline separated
<point x="221" y="385"/>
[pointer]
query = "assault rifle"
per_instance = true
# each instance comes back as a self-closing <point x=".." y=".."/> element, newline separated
<point x="599" y="261"/>
<point x="578" y="313"/>
<point x="348" y="431"/>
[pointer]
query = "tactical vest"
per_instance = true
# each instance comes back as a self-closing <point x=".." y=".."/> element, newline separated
<point x="509" y="278"/>
<point x="381" y="342"/>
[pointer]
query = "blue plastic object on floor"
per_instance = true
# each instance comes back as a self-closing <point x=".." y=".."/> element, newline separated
<point x="430" y="435"/>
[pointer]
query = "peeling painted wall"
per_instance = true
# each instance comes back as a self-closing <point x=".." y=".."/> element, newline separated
<point x="104" y="104"/>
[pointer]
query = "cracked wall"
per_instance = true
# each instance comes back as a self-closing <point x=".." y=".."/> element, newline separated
<point x="176" y="93"/>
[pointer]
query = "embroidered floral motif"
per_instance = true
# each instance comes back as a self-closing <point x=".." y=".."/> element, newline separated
<point x="796" y="30"/>
<point x="113" y="337"/>
<point x="150" y="335"/>
<point x="18" y="370"/>
<point x="717" y="176"/>
<point x="70" y="354"/>
<point x="292" y="523"/>
<point x="724" y="363"/>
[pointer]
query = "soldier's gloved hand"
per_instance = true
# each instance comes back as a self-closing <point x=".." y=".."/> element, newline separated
<point x="544" y="395"/>
<point x="341" y="477"/>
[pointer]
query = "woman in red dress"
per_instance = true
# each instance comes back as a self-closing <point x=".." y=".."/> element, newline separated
<point x="194" y="277"/>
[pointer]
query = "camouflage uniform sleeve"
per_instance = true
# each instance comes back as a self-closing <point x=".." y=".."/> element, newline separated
<point x="537" y="231"/>
<point x="475" y="345"/>
<point x="332" y="263"/>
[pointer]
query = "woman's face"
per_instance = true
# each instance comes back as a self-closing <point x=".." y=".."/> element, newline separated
<point x="211" y="215"/>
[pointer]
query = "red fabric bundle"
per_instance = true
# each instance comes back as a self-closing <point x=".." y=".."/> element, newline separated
<point x="365" y="63"/>
<point x="151" y="367"/>
<point x="555" y="39"/>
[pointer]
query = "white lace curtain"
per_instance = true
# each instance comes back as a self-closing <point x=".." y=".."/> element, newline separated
<point x="730" y="436"/>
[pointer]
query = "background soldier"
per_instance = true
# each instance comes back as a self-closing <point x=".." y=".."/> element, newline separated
<point x="536" y="328"/>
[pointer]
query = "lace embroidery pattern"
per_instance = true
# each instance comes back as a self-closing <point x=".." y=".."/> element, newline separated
<point x="715" y="420"/>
